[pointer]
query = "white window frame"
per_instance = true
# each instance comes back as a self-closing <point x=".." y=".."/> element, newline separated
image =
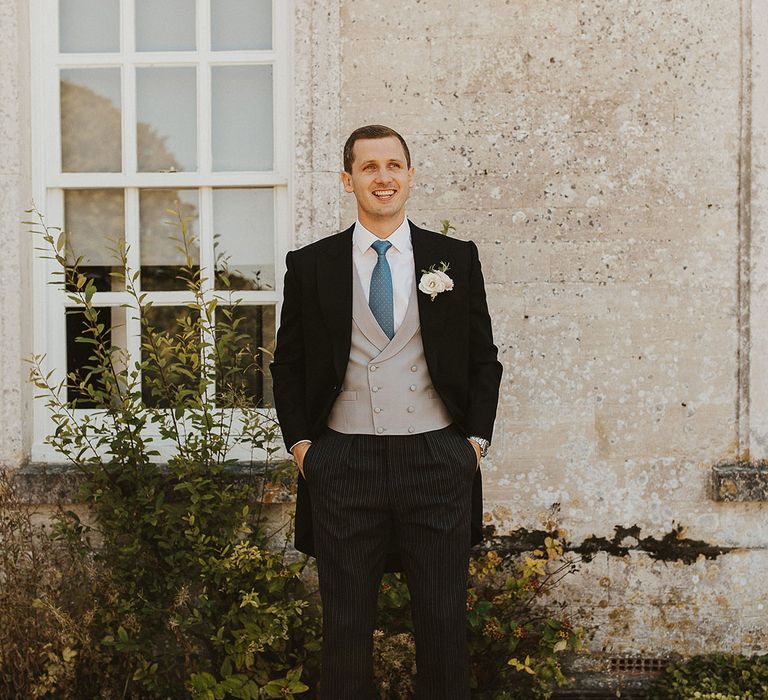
<point x="49" y="183"/>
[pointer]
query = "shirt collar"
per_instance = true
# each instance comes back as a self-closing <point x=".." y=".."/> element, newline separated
<point x="400" y="238"/>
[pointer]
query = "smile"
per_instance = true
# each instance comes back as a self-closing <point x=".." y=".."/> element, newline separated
<point x="384" y="195"/>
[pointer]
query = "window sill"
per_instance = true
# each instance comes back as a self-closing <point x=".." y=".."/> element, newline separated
<point x="39" y="483"/>
<point x="740" y="481"/>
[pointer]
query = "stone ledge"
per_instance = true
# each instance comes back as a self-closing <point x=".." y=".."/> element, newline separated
<point x="740" y="481"/>
<point x="40" y="483"/>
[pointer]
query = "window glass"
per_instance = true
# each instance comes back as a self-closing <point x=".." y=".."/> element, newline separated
<point x="166" y="113"/>
<point x="242" y="117"/>
<point x="89" y="26"/>
<point x="250" y="367"/>
<point x="79" y="353"/>
<point x="94" y="221"/>
<point x="241" y="24"/>
<point x="162" y="252"/>
<point x="165" y="330"/>
<point x="244" y="238"/>
<point x="91" y="120"/>
<point x="165" y="25"/>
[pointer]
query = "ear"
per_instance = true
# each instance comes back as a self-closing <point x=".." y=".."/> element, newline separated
<point x="346" y="180"/>
<point x="411" y="176"/>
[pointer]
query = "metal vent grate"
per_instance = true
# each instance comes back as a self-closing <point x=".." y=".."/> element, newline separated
<point x="637" y="665"/>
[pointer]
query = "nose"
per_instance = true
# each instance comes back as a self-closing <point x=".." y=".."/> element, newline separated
<point x="382" y="176"/>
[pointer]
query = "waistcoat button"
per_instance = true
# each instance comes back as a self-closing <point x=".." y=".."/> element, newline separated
<point x="379" y="430"/>
<point x="377" y="410"/>
<point x="412" y="387"/>
<point x="410" y="428"/>
<point x="414" y="368"/>
<point x="411" y="409"/>
<point x="375" y="388"/>
<point x="372" y="368"/>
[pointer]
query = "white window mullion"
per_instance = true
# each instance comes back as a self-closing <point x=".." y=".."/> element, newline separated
<point x="128" y="41"/>
<point x="162" y="58"/>
<point x="204" y="136"/>
<point x="132" y="240"/>
<point x="52" y="86"/>
<point x="56" y="302"/>
<point x="203" y="27"/>
<point x="280" y="81"/>
<point x="205" y="223"/>
<point x="132" y="321"/>
<point x="168" y="180"/>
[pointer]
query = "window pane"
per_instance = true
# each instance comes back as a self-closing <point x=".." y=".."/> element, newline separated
<point x="95" y="224"/>
<point x="169" y="339"/>
<point x="244" y="238"/>
<point x="242" y="117"/>
<point x="80" y="354"/>
<point x="166" y="110"/>
<point x="165" y="25"/>
<point x="241" y="24"/>
<point x="244" y="369"/>
<point x="160" y="238"/>
<point x="90" y="120"/>
<point x="88" y="26"/>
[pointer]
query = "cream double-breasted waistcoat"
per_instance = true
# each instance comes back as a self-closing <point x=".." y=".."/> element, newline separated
<point x="387" y="389"/>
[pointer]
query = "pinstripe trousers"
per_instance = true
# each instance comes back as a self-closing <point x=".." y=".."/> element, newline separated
<point x="372" y="492"/>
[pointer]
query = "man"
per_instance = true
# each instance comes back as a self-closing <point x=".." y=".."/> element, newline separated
<point x="386" y="382"/>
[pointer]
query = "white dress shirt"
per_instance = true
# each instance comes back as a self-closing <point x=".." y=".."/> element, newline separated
<point x="400" y="259"/>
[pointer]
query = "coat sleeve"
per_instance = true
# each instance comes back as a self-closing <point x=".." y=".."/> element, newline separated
<point x="288" y="364"/>
<point x="484" y="368"/>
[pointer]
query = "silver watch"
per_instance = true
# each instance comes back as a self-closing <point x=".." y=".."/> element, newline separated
<point x="484" y="444"/>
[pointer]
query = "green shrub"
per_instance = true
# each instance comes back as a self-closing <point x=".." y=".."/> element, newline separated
<point x="196" y="601"/>
<point x="715" y="677"/>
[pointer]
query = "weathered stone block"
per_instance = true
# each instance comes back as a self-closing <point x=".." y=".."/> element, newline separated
<point x="740" y="481"/>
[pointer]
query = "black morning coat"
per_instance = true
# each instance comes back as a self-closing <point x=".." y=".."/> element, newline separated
<point x="313" y="344"/>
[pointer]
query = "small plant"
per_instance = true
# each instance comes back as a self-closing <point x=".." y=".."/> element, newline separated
<point x="49" y="596"/>
<point x="516" y="643"/>
<point x="199" y="602"/>
<point x="715" y="677"/>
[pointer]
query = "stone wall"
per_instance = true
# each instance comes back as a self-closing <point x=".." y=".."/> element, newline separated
<point x="599" y="155"/>
<point x="15" y="267"/>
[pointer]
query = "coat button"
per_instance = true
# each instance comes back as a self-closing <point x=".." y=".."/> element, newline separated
<point x="377" y="410"/>
<point x="411" y="409"/>
<point x="411" y="428"/>
<point x="379" y="430"/>
<point x="412" y="387"/>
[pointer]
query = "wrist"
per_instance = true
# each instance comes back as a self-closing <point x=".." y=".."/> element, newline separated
<point x="482" y="443"/>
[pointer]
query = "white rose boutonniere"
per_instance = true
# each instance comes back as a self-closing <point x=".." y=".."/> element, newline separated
<point x="435" y="280"/>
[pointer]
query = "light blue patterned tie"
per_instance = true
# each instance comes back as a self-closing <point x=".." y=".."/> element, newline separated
<point x="380" y="297"/>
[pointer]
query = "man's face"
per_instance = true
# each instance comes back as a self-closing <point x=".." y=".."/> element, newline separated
<point x="380" y="179"/>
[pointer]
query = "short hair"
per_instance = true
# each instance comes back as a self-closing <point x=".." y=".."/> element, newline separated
<point x="371" y="131"/>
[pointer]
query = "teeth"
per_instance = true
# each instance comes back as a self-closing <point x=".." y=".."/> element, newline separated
<point x="383" y="193"/>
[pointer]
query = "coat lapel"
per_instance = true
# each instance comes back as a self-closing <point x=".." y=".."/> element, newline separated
<point x="334" y="290"/>
<point x="431" y="313"/>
